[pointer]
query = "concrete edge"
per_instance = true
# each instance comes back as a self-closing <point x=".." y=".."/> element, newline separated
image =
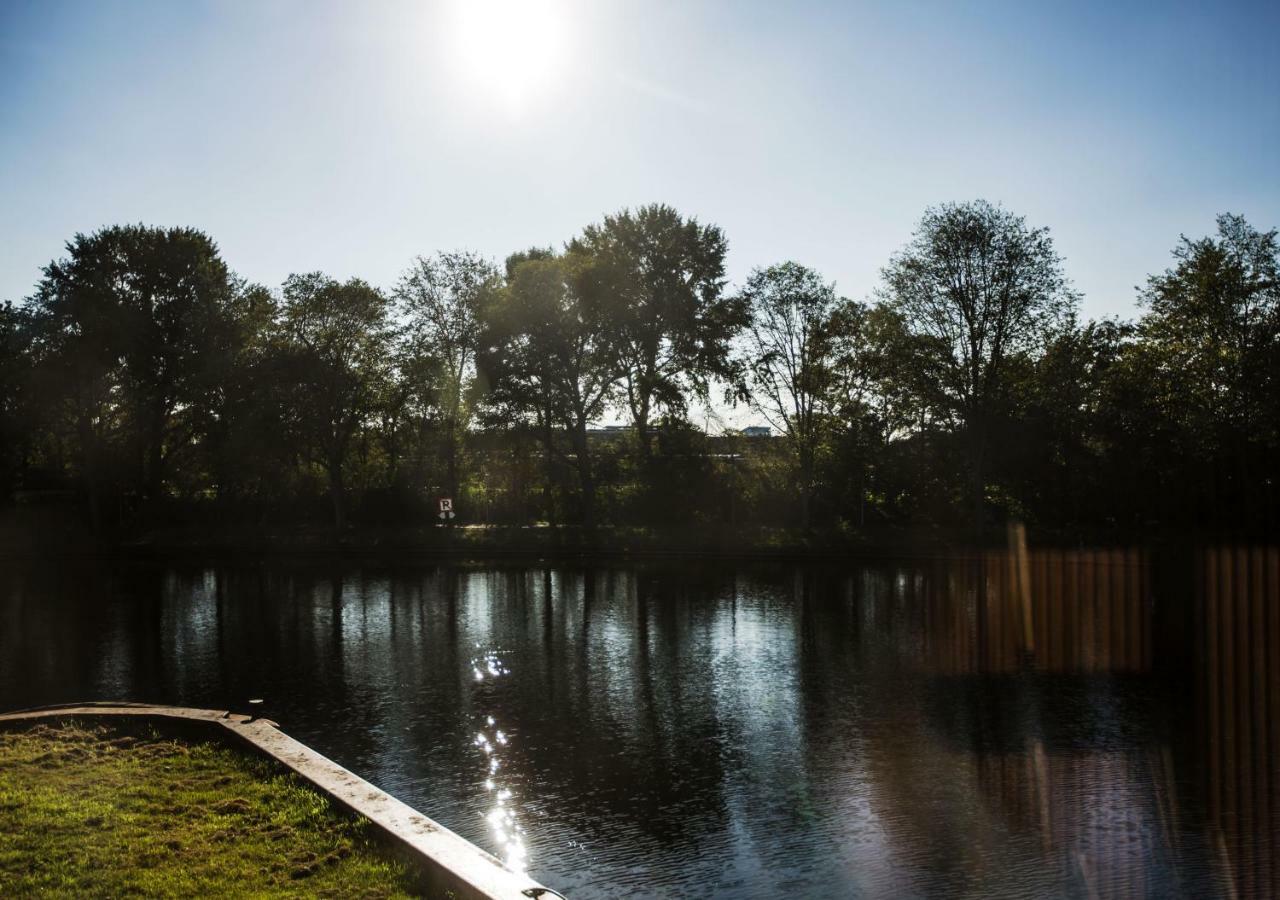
<point x="449" y="863"/>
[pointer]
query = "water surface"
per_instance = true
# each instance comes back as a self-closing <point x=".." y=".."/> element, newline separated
<point x="1059" y="724"/>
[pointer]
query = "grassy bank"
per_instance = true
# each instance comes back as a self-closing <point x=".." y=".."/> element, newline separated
<point x="93" y="811"/>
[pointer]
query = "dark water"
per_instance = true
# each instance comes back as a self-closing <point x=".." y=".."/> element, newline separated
<point x="1064" y="724"/>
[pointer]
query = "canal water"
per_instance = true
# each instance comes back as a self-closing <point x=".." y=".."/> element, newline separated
<point x="1076" y="723"/>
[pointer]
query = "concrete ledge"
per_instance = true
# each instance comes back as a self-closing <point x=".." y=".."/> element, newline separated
<point x="450" y="864"/>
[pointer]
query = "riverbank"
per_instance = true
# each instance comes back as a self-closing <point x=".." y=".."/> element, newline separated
<point x="107" y="810"/>
<point x="61" y="533"/>
<point x="35" y="532"/>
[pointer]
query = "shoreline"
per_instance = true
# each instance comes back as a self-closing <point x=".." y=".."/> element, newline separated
<point x="449" y="864"/>
<point x="40" y="537"/>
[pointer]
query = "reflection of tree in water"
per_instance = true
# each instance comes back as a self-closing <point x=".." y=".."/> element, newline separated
<point x="1000" y="722"/>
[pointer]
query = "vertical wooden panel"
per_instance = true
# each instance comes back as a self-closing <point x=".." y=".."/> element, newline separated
<point x="1056" y="626"/>
<point x="1103" y="603"/>
<point x="1146" y="605"/>
<point x="1136" y="609"/>
<point x="995" y="621"/>
<point x="966" y="621"/>
<point x="1023" y="586"/>
<point x="1209" y="589"/>
<point x="1071" y="607"/>
<point x="1244" y="713"/>
<point x="1119" y="613"/>
<point x="952" y="597"/>
<point x="1089" y="616"/>
<point x="1272" y="594"/>
<point x="1040" y="606"/>
<point x="1259" y="756"/>
<point x="1226" y="656"/>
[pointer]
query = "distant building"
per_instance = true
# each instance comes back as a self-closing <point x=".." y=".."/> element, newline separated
<point x="757" y="431"/>
<point x="611" y="431"/>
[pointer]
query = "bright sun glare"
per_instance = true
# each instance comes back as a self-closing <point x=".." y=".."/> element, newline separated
<point x="513" y="49"/>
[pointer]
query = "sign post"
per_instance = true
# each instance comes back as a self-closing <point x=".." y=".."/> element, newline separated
<point x="446" y="509"/>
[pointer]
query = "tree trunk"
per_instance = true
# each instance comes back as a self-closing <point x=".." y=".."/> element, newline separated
<point x="586" y="477"/>
<point x="548" y="487"/>
<point x="806" y="481"/>
<point x="451" y="458"/>
<point x="979" y="487"/>
<point x="154" y="483"/>
<point x="640" y="419"/>
<point x="90" y="471"/>
<point x="337" y="495"/>
<point x="862" y="496"/>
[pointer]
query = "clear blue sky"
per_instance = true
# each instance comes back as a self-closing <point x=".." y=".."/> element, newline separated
<point x="349" y="137"/>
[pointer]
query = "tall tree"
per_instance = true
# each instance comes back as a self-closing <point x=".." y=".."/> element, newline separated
<point x="336" y="343"/>
<point x="1056" y="451"/>
<point x="127" y="317"/>
<point x="548" y="359"/>
<point x="789" y="355"/>
<point x="981" y="286"/>
<point x="243" y="400"/>
<point x="658" y="279"/>
<point x="440" y="298"/>
<point x="1215" y="317"/>
<point x="877" y="382"/>
<point x="1209" y="343"/>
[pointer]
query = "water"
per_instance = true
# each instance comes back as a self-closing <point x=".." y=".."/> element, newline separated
<point x="1062" y="724"/>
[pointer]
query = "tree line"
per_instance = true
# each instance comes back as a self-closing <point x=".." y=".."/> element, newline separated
<point x="148" y="382"/>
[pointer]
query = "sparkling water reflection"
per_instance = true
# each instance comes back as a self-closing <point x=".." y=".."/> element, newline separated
<point x="508" y="833"/>
<point x="1076" y="723"/>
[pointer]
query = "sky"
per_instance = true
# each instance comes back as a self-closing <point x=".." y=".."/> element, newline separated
<point x="350" y="137"/>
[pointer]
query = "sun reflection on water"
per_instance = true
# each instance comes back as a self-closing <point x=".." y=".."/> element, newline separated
<point x="508" y="833"/>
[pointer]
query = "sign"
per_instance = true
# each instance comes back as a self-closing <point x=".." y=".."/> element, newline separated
<point x="446" y="508"/>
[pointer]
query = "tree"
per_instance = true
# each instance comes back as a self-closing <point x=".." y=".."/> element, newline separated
<point x="789" y="357"/>
<point x="1058" y="449"/>
<point x="1215" y="317"/>
<point x="15" y="378"/>
<point x="440" y="298"/>
<point x="877" y="389"/>
<point x="124" y="327"/>
<point x="548" y="359"/>
<point x="980" y="287"/>
<point x="244" y="400"/>
<point x="1209" y="343"/>
<point x="658" y="279"/>
<point x="335" y="341"/>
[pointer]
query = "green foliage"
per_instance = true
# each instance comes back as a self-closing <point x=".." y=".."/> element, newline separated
<point x="125" y="333"/>
<point x="333" y="344"/>
<point x="549" y="360"/>
<point x="1211" y="334"/>
<point x="440" y="299"/>
<point x="1198" y="394"/>
<point x="658" y="280"/>
<point x="790" y="350"/>
<point x="146" y="378"/>
<point x="978" y="288"/>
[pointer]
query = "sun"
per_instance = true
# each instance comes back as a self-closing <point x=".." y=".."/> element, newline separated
<point x="511" y="49"/>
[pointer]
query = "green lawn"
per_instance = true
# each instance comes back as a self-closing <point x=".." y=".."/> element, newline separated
<point x="95" y="811"/>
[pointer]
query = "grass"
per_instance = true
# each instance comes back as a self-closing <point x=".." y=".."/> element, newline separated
<point x="97" y="811"/>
